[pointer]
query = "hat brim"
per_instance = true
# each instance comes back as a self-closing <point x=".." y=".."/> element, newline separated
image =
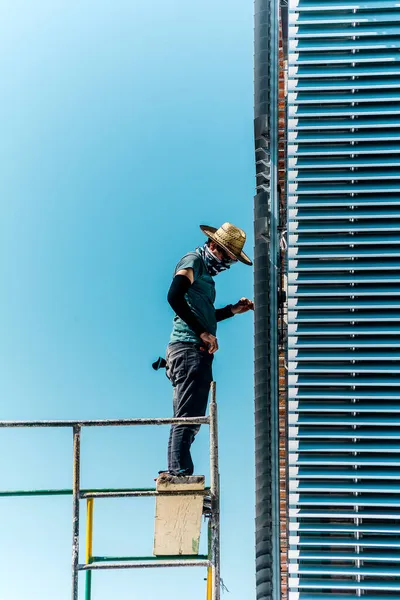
<point x="210" y="232"/>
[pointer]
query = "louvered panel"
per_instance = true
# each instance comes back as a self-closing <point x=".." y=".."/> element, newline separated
<point x="303" y="110"/>
<point x="343" y="71"/>
<point x="321" y="5"/>
<point x="338" y="83"/>
<point x="296" y="150"/>
<point x="354" y="596"/>
<point x="335" y="586"/>
<point x="309" y="557"/>
<point x="343" y="191"/>
<point x="355" y="96"/>
<point x="373" y="187"/>
<point x="343" y="175"/>
<point x="315" y="58"/>
<point x="341" y="407"/>
<point x="334" y="473"/>
<point x="380" y="211"/>
<point x="338" y="240"/>
<point x="318" y="303"/>
<point x="360" y="29"/>
<point x="347" y="263"/>
<point x="340" y="393"/>
<point x="339" y="17"/>
<point x="330" y="45"/>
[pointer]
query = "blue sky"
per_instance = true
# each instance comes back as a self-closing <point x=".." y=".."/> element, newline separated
<point x="124" y="126"/>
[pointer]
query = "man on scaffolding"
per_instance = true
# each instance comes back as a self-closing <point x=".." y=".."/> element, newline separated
<point x="193" y="341"/>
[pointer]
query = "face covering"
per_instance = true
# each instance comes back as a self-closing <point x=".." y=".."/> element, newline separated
<point x="213" y="264"/>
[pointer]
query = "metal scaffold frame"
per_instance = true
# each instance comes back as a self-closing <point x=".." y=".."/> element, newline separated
<point x="92" y="563"/>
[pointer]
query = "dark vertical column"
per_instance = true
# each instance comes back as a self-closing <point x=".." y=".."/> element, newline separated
<point x="266" y="296"/>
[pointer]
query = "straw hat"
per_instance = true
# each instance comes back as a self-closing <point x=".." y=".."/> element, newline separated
<point x="230" y="238"/>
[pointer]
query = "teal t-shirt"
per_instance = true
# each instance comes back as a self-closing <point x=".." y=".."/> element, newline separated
<point x="200" y="297"/>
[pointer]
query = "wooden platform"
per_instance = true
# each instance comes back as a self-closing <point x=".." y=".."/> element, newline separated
<point x="178" y="518"/>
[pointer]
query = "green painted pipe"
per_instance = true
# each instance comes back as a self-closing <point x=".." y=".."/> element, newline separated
<point x="149" y="558"/>
<point x="13" y="493"/>
<point x="88" y="588"/>
<point x="67" y="492"/>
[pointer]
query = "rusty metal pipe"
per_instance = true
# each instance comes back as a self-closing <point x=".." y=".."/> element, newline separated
<point x="75" y="509"/>
<point x="215" y="502"/>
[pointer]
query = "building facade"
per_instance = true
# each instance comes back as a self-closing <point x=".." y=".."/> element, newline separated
<point x="339" y="464"/>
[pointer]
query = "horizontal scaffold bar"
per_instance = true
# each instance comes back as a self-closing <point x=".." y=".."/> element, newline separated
<point x="127" y="493"/>
<point x="103" y="493"/>
<point x="101" y="559"/>
<point x="109" y="422"/>
<point x="145" y="564"/>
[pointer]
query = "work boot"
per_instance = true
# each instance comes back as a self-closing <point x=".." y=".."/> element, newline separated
<point x="180" y="473"/>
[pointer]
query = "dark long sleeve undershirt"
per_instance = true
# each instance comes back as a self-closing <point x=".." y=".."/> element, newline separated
<point x="224" y="313"/>
<point x="176" y="298"/>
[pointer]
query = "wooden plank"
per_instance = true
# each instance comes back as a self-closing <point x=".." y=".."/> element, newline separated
<point x="178" y="518"/>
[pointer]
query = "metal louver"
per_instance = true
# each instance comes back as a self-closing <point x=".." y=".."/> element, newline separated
<point x="344" y="299"/>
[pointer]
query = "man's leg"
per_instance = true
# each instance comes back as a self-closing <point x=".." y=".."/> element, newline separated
<point x="171" y="433"/>
<point x="191" y="374"/>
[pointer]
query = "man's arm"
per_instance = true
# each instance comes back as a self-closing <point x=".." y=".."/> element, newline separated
<point x="224" y="313"/>
<point x="189" y="273"/>
<point x="176" y="298"/>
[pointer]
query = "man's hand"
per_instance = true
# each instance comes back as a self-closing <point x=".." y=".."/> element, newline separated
<point x="242" y="306"/>
<point x="210" y="342"/>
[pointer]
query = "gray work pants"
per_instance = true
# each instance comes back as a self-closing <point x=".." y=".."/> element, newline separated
<point x="190" y="371"/>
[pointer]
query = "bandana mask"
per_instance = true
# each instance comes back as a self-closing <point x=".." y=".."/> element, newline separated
<point x="213" y="264"/>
